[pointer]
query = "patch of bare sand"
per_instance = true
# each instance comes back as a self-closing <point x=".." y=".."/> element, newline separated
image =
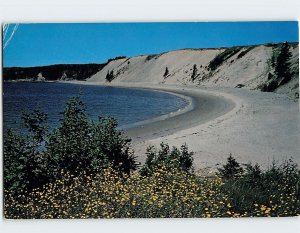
<point x="261" y="128"/>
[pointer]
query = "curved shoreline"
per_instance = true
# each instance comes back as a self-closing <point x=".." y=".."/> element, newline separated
<point x="205" y="107"/>
<point x="188" y="107"/>
<point x="253" y="126"/>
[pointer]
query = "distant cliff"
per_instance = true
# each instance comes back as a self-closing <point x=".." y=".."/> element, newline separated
<point x="52" y="72"/>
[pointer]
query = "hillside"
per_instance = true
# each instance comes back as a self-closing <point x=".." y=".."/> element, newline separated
<point x="244" y="66"/>
<point x="52" y="72"/>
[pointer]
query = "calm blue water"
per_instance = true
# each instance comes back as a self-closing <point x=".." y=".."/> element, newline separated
<point x="128" y="106"/>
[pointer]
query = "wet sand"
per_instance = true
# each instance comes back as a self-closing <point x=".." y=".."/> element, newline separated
<point x="205" y="107"/>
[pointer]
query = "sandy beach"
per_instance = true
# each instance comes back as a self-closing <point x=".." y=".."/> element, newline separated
<point x="260" y="128"/>
<point x="253" y="126"/>
<point x="204" y="107"/>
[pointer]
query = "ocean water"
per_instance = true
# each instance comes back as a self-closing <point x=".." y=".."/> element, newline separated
<point x="128" y="106"/>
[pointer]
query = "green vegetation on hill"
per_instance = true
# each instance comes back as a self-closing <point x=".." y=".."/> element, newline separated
<point x="243" y="53"/>
<point x="52" y="72"/>
<point x="281" y="68"/>
<point x="222" y="57"/>
<point x="110" y="76"/>
<point x="195" y="73"/>
<point x="166" y="72"/>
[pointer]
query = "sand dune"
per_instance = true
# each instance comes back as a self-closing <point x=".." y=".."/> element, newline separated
<point x="253" y="126"/>
<point x="249" y="66"/>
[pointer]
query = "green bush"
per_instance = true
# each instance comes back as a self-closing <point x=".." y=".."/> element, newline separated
<point x="231" y="169"/>
<point x="269" y="86"/>
<point x="169" y="189"/>
<point x="77" y="145"/>
<point x="273" y="192"/>
<point x="166" y="72"/>
<point x="24" y="160"/>
<point x="149" y="57"/>
<point x="195" y="73"/>
<point x="110" y="76"/>
<point x="282" y="64"/>
<point x="36" y="124"/>
<point x="23" y="165"/>
<point x="170" y="159"/>
<point x="279" y="61"/>
<point x="220" y="58"/>
<point x="243" y="53"/>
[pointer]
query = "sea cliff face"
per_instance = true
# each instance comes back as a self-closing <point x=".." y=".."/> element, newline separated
<point x="248" y="67"/>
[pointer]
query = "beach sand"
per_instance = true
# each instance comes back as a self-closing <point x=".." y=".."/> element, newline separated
<point x="253" y="126"/>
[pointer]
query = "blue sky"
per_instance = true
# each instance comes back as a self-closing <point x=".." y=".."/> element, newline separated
<point x="44" y="44"/>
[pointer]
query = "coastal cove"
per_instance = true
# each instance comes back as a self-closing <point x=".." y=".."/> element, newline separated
<point x="128" y="106"/>
<point x="202" y="106"/>
<point x="151" y="120"/>
<point x="214" y="122"/>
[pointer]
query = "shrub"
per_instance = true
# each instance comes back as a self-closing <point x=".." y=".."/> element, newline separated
<point x="170" y="159"/>
<point x="274" y="192"/>
<point x="220" y="58"/>
<point x="36" y="124"/>
<point x="24" y="160"/>
<point x="243" y="53"/>
<point x="232" y="169"/>
<point x="110" y="76"/>
<point x="194" y="74"/>
<point x="282" y="65"/>
<point x="166" y="194"/>
<point x="23" y="164"/>
<point x="116" y="58"/>
<point x="239" y="85"/>
<point x="270" y="86"/>
<point x="166" y="72"/>
<point x="279" y="61"/>
<point x="149" y="57"/>
<point x="77" y="145"/>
